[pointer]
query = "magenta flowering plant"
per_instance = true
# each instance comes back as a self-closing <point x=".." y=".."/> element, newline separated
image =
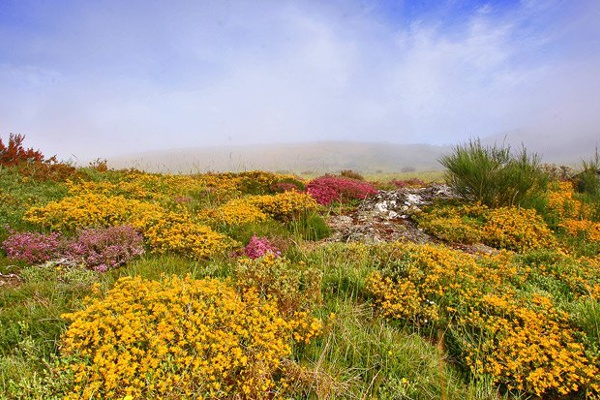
<point x="106" y="248"/>
<point x="32" y="247"/>
<point x="259" y="246"/>
<point x="328" y="189"/>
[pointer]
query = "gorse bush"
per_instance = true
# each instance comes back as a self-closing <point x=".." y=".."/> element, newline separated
<point x="510" y="228"/>
<point x="519" y="338"/>
<point x="234" y="212"/>
<point x="294" y="287"/>
<point x="178" y="234"/>
<point x="527" y="345"/>
<point x="494" y="176"/>
<point x="285" y="206"/>
<point x="177" y="338"/>
<point x="94" y="210"/>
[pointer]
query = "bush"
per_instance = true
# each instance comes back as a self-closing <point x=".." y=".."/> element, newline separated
<point x="13" y="152"/>
<point x="286" y="206"/>
<point x="510" y="228"/>
<point x="33" y="248"/>
<point x="295" y="288"/>
<point x="106" y="248"/>
<point x="178" y="338"/>
<point x="327" y="189"/>
<point x="94" y="210"/>
<point x="588" y="181"/>
<point x="258" y="247"/>
<point x="494" y="175"/>
<point x="234" y="212"/>
<point x="178" y="234"/>
<point x="527" y="344"/>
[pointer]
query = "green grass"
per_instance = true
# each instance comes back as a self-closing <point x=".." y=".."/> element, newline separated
<point x="360" y="355"/>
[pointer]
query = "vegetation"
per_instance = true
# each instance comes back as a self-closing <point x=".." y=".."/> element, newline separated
<point x="128" y="285"/>
<point x="494" y="176"/>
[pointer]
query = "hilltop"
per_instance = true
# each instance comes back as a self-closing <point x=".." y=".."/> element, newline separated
<point x="319" y="157"/>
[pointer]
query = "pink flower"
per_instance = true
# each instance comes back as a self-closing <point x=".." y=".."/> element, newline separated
<point x="258" y="247"/>
<point x="327" y="189"/>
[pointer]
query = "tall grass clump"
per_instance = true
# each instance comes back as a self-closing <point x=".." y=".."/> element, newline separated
<point x="495" y="176"/>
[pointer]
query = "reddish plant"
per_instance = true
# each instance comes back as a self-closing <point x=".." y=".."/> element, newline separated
<point x="327" y="189"/>
<point x="259" y="246"/>
<point x="14" y="153"/>
<point x="105" y="248"/>
<point x="32" y="247"/>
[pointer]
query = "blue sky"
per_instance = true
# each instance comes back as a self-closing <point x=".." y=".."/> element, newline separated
<point x="99" y="78"/>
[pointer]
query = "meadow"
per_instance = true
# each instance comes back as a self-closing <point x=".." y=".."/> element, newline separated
<point x="123" y="284"/>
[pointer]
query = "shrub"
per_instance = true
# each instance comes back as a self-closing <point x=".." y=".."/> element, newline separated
<point x="588" y="180"/>
<point x="516" y="229"/>
<point x="510" y="228"/>
<point x="412" y="182"/>
<point x="94" y="210"/>
<point x="418" y="283"/>
<point x="494" y="175"/>
<point x="258" y="247"/>
<point x="295" y="287"/>
<point x="459" y="224"/>
<point x="177" y="338"/>
<point x="327" y="189"/>
<point x="234" y="212"/>
<point x="13" y="152"/>
<point x="178" y="234"/>
<point x="526" y="344"/>
<point x="518" y="338"/>
<point x="106" y="248"/>
<point x="284" y="206"/>
<point x="31" y="247"/>
<point x="348" y="173"/>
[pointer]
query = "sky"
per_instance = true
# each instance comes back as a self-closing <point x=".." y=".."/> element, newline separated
<point x="100" y="78"/>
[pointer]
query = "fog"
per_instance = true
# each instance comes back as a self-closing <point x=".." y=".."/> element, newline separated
<point x="88" y="80"/>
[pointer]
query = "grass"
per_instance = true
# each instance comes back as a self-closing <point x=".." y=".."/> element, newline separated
<point x="359" y="354"/>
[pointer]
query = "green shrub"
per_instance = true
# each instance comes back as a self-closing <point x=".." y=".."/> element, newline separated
<point x="494" y="175"/>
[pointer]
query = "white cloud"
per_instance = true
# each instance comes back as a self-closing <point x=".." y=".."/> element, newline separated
<point x="117" y="78"/>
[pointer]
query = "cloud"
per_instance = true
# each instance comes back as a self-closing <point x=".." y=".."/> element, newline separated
<point x="100" y="79"/>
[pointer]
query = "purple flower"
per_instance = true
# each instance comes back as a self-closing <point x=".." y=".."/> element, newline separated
<point x="327" y="189"/>
<point x="32" y="247"/>
<point x="259" y="246"/>
<point x="106" y="248"/>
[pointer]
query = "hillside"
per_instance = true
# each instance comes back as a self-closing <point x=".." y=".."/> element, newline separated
<point x="318" y="157"/>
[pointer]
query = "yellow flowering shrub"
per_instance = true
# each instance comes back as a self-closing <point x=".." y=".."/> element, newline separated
<point x="295" y="287"/>
<point x="419" y="282"/>
<point x="234" y="212"/>
<point x="511" y="228"/>
<point x="284" y="206"/>
<point x="177" y="233"/>
<point x="526" y="344"/>
<point x="160" y="188"/>
<point x="517" y="229"/>
<point x="500" y="318"/>
<point x="453" y="224"/>
<point x="588" y="230"/>
<point x="93" y="210"/>
<point x="563" y="202"/>
<point x="177" y="338"/>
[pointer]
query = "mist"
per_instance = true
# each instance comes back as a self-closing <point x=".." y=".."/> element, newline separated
<point x="86" y="80"/>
